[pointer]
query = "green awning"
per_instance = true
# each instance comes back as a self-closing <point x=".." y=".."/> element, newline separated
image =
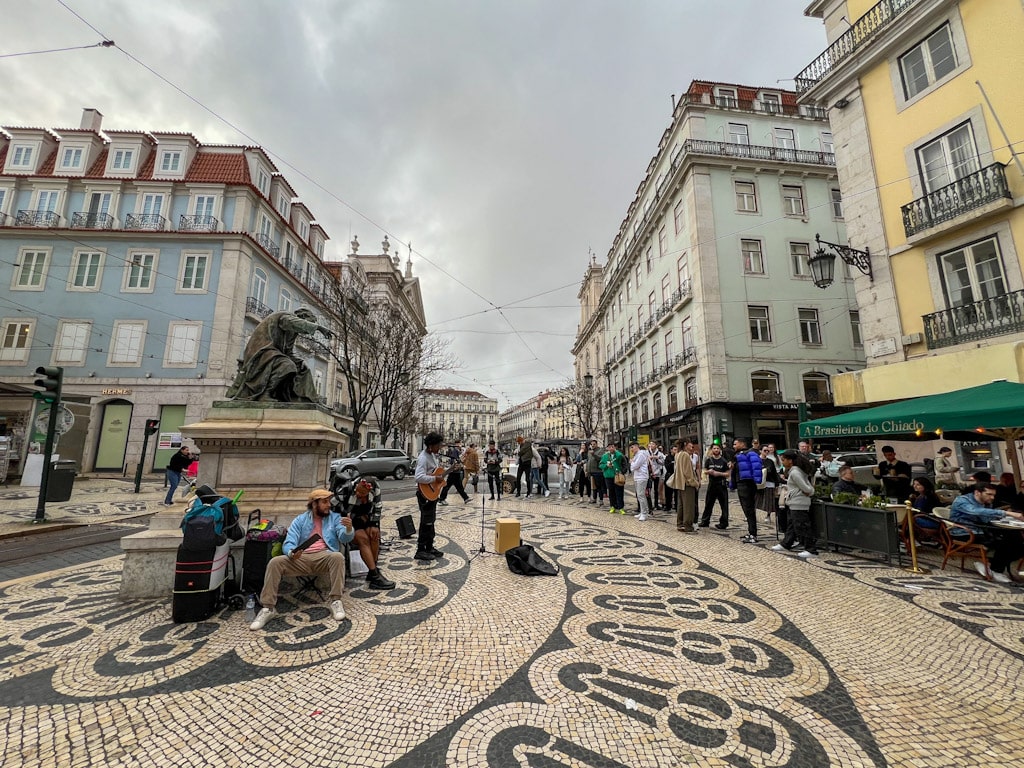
<point x="996" y="409"/>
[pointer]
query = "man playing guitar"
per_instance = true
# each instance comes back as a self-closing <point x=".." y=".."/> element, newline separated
<point x="430" y="479"/>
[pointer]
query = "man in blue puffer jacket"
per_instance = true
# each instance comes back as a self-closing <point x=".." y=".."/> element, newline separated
<point x="746" y="474"/>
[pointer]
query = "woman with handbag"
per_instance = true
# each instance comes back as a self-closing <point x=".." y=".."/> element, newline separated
<point x="799" y="492"/>
<point x="613" y="467"/>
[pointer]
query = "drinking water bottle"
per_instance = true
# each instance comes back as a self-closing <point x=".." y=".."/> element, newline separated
<point x="250" y="608"/>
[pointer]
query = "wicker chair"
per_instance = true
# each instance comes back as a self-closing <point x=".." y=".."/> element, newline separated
<point x="960" y="547"/>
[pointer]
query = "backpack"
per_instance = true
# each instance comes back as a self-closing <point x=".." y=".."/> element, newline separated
<point x="207" y="525"/>
<point x="525" y="561"/>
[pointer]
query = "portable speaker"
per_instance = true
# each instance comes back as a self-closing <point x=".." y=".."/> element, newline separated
<point x="406" y="527"/>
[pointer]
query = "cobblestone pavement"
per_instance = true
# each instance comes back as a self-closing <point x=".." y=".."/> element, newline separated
<point x="650" y="648"/>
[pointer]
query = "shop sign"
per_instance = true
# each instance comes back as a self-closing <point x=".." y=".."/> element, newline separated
<point x="169" y="440"/>
<point x="116" y="391"/>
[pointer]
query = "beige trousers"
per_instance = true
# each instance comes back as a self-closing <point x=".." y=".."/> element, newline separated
<point x="307" y="564"/>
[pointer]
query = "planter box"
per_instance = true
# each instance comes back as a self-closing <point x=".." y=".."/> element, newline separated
<point x="845" y="525"/>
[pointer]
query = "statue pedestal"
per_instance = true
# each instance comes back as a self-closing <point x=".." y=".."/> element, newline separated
<point x="275" y="452"/>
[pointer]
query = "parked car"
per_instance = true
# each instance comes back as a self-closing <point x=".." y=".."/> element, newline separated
<point x="379" y="462"/>
<point x="865" y="464"/>
<point x="508" y="485"/>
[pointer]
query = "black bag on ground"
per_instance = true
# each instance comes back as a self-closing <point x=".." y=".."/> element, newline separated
<point x="198" y="578"/>
<point x="525" y="561"/>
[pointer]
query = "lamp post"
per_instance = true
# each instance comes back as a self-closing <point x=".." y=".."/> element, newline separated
<point x="823" y="264"/>
<point x="608" y="381"/>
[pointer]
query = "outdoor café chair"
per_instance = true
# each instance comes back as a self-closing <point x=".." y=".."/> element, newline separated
<point x="962" y="547"/>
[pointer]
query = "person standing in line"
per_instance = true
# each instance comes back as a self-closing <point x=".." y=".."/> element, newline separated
<point x="454" y="456"/>
<point x="175" y="468"/>
<point x="492" y="465"/>
<point x="598" y="487"/>
<point x="613" y="461"/>
<point x="717" y="470"/>
<point x="525" y="466"/>
<point x="766" y="495"/>
<point x="471" y="463"/>
<point x="657" y="482"/>
<point x="542" y="470"/>
<point x="686" y="483"/>
<point x="746" y="474"/>
<point x="805" y="451"/>
<point x="640" y="466"/>
<point x="799" y="492"/>
<point x="670" y="467"/>
<point x="582" y="476"/>
<point x="426" y="473"/>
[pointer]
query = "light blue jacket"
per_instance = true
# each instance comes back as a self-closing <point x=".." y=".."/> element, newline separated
<point x="334" y="533"/>
<point x="969" y="512"/>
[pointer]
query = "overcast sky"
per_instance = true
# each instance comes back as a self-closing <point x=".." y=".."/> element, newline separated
<point x="503" y="138"/>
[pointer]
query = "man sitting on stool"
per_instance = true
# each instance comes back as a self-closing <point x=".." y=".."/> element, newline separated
<point x="323" y="555"/>
<point x="365" y="514"/>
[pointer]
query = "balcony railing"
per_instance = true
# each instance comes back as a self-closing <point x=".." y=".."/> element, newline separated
<point x="292" y="266"/>
<point x="970" y="322"/>
<point x="3" y="219"/>
<point x="817" y="397"/>
<point x="257" y="308"/>
<point x="767" y="396"/>
<point x="197" y="223"/>
<point x="89" y="220"/>
<point x="268" y="245"/>
<point x="757" y="152"/>
<point x="152" y="221"/>
<point x="963" y="195"/>
<point x="860" y="33"/>
<point x="37" y="219"/>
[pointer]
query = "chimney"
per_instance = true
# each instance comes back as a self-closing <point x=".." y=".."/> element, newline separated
<point x="92" y="119"/>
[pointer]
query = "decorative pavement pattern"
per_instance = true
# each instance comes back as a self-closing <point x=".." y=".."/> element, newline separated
<point x="105" y="501"/>
<point x="650" y="648"/>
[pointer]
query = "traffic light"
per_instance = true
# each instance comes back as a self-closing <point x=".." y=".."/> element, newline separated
<point x="50" y="383"/>
<point x="151" y="426"/>
<point x="723" y="425"/>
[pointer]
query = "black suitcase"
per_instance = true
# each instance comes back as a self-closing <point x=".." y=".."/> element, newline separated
<point x="254" y="565"/>
<point x="198" y="577"/>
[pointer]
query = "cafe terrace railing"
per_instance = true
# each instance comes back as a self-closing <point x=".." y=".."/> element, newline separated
<point x="947" y="203"/>
<point x="983" y="319"/>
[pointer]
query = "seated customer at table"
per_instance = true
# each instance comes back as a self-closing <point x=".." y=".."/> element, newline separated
<point x="924" y="500"/>
<point x="846" y="484"/>
<point x="972" y="510"/>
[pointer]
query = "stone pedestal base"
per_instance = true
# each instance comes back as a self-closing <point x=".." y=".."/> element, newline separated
<point x="276" y="453"/>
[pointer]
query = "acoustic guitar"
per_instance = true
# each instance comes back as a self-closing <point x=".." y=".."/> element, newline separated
<point x="432" y="491"/>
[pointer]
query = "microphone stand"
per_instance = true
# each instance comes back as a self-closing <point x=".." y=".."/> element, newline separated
<point x="483" y="549"/>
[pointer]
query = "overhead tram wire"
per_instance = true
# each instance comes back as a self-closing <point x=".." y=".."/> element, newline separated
<point x="103" y="44"/>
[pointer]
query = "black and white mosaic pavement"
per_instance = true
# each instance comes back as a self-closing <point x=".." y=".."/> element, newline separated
<point x="650" y="648"/>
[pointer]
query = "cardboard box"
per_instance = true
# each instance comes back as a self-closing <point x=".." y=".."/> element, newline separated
<point x="506" y="534"/>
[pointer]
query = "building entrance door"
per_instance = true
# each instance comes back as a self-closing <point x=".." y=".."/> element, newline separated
<point x="113" y="442"/>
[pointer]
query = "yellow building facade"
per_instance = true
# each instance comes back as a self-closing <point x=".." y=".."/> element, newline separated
<point x="926" y="107"/>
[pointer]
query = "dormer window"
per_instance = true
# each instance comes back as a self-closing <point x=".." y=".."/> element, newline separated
<point x="122" y="160"/>
<point x="771" y="102"/>
<point x="726" y="97"/>
<point x="262" y="181"/>
<point x="71" y="158"/>
<point x="170" y="162"/>
<point x="22" y="157"/>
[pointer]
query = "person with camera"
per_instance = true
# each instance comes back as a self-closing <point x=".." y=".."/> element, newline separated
<point x="360" y="500"/>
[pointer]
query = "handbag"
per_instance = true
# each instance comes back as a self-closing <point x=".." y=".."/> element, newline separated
<point x="764" y="479"/>
<point x="620" y="479"/>
<point x="783" y="495"/>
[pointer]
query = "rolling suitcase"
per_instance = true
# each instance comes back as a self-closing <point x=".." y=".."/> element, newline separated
<point x="198" y="577"/>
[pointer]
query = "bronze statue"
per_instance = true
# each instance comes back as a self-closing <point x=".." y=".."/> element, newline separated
<point x="270" y="370"/>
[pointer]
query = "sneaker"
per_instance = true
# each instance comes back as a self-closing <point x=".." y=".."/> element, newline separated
<point x="612" y="511"/>
<point x="547" y="493"/>
<point x="338" y="610"/>
<point x="424" y="555"/>
<point x="641" y="518"/>
<point x="491" y="499"/>
<point x="805" y="554"/>
<point x="442" y="502"/>
<point x="168" y="503"/>
<point x="721" y="527"/>
<point x="265" y="615"/>
<point x="704" y="525"/>
<point x="436" y="552"/>
<point x="637" y="514"/>
<point x="1001" y="578"/>
<point x="467" y="500"/>
<point x="622" y="511"/>
<point x="749" y="539"/>
<point x="985" y="572"/>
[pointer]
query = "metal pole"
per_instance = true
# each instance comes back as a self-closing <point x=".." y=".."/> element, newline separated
<point x="911" y="545"/>
<point x="142" y="460"/>
<point x="1009" y="144"/>
<point x="44" y="483"/>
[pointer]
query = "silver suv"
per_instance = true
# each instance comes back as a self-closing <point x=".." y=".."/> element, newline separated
<point x="379" y="462"/>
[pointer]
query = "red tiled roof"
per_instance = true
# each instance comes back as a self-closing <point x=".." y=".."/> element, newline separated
<point x="99" y="165"/>
<point x="146" y="170"/>
<point x="452" y="392"/>
<point x="3" y="156"/>
<point x="743" y="92"/>
<point x="219" y="167"/>
<point x="47" y="166"/>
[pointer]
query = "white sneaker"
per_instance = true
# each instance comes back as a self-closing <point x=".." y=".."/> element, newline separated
<point x="637" y="515"/>
<point x="805" y="554"/>
<point x="641" y="518"/>
<point x="985" y="572"/>
<point x="547" y="493"/>
<point x="265" y="615"/>
<point x="778" y="548"/>
<point x="1002" y="578"/>
<point x="338" y="610"/>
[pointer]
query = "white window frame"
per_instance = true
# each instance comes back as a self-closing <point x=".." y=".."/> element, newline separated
<point x="259" y="286"/>
<point x="15" y="354"/>
<point x="47" y="195"/>
<point x="21" y="156"/>
<point x="40" y="273"/>
<point x="121" y="326"/>
<point x="763" y="375"/>
<point x="737" y="136"/>
<point x="122" y="159"/>
<point x="170" y="161"/>
<point x="953" y="169"/>
<point x="828" y="142"/>
<point x="150" y="200"/>
<point x="82" y="330"/>
<point x="856" y="334"/>
<point x="205" y="204"/>
<point x="677" y="216"/>
<point x="683" y="269"/>
<point x="136" y="258"/>
<point x="76" y="260"/>
<point x="285" y="300"/>
<point x="79" y="158"/>
<point x="186" y="256"/>
<point x="924" y="48"/>
<point x="262" y="182"/>
<point x="726" y="97"/>
<point x="809" y="323"/>
<point x="180" y="335"/>
<point x="105" y="197"/>
<point x="799" y="252"/>
<point x="764" y="324"/>
<point x="746" y="201"/>
<point x="753" y="259"/>
<point x="771" y="103"/>
<point x="961" y="52"/>
<point x="971" y="264"/>
<point x="4" y="193"/>
<point x="784" y="138"/>
<point x="835" y="196"/>
<point x="793" y="204"/>
<point x="662" y="241"/>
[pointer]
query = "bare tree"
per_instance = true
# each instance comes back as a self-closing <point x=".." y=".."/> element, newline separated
<point x="586" y="406"/>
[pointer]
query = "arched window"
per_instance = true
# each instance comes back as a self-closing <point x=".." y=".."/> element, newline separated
<point x="259" y="286"/>
<point x="817" y="388"/>
<point x="645" y="412"/>
<point x="633" y="413"/>
<point x="284" y="303"/>
<point x="657" y="405"/>
<point x="690" y="390"/>
<point x="673" y="399"/>
<point x="765" y="385"/>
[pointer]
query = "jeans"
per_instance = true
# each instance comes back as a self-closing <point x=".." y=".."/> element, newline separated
<point x="494" y="479"/>
<point x="746" y="492"/>
<point x="428" y="516"/>
<point x="563" y="486"/>
<point x="800" y="528"/>
<point x="717" y="491"/>
<point x="173" y="480"/>
<point x="454" y="480"/>
<point x="523" y="468"/>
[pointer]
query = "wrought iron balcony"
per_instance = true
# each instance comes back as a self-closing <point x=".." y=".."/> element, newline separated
<point x="152" y="221"/>
<point x="860" y="34"/>
<point x="89" y="220"/>
<point x="256" y="308"/>
<point x="292" y="266"/>
<point x="690" y="403"/>
<point x="268" y="245"/>
<point x="953" y="200"/>
<point x="37" y="219"/>
<point x="767" y="396"/>
<point x="983" y="319"/>
<point x="197" y="223"/>
<point x="813" y="396"/>
<point x="757" y="152"/>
